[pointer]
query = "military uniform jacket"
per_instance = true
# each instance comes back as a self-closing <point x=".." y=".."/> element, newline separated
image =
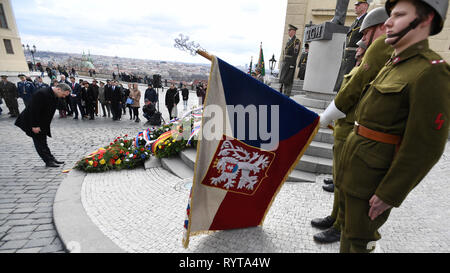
<point x="410" y="97"/>
<point x="25" y="89"/>
<point x="8" y="90"/>
<point x="290" y="55"/>
<point x="353" y="34"/>
<point x="353" y="84"/>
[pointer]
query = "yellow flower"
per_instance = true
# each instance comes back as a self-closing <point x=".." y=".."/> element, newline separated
<point x="118" y="162"/>
<point x="174" y="140"/>
<point x="102" y="162"/>
<point x="169" y="144"/>
<point x="91" y="162"/>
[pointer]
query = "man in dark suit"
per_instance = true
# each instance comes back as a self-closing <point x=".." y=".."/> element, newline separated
<point x="67" y="100"/>
<point x="76" y="98"/>
<point x="115" y="98"/>
<point x="36" y="118"/>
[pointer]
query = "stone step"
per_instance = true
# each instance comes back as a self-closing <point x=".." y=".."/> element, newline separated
<point x="301" y="176"/>
<point x="324" y="136"/>
<point x="176" y="166"/>
<point x="188" y="156"/>
<point x="320" y="149"/>
<point x="309" y="102"/>
<point x="315" y="164"/>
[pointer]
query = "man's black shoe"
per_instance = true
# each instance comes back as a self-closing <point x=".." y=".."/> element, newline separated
<point x="75" y="118"/>
<point x="328" y="188"/>
<point x="328" y="181"/>
<point x="58" y="162"/>
<point x="328" y="236"/>
<point x="323" y="223"/>
<point x="51" y="165"/>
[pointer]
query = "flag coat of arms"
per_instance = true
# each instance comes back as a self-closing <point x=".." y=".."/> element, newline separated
<point x="251" y="137"/>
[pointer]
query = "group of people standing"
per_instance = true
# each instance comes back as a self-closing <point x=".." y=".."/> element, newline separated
<point x="112" y="96"/>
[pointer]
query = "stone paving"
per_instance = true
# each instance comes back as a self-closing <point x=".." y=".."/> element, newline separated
<point x="143" y="210"/>
<point x="27" y="188"/>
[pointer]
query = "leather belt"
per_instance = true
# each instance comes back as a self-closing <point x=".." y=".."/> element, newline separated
<point x="377" y="136"/>
<point x="351" y="48"/>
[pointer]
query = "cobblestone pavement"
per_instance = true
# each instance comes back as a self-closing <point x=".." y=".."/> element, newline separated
<point x="27" y="188"/>
<point x="143" y="211"/>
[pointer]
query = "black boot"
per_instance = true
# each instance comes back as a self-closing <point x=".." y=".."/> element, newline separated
<point x="328" y="181"/>
<point x="51" y="165"/>
<point x="328" y="188"/>
<point x="323" y="223"/>
<point x="328" y="236"/>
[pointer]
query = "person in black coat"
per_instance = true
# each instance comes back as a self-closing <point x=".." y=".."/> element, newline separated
<point x="84" y="98"/>
<point x="185" y="95"/>
<point x="35" y="120"/>
<point x="90" y="98"/>
<point x="151" y="94"/>
<point x="115" y="95"/>
<point x="76" y="98"/>
<point x="172" y="99"/>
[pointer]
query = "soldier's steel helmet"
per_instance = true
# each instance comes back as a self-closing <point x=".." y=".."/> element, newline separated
<point x="361" y="44"/>
<point x="374" y="17"/>
<point x="439" y="6"/>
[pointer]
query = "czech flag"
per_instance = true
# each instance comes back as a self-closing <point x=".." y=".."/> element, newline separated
<point x="250" y="139"/>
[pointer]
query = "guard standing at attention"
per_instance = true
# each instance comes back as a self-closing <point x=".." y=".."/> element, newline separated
<point x="290" y="55"/>
<point x="353" y="36"/>
<point x="401" y="125"/>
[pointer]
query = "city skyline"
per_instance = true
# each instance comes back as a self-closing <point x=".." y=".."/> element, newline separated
<point x="232" y="30"/>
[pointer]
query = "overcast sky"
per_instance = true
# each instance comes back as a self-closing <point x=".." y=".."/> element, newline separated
<point x="146" y="29"/>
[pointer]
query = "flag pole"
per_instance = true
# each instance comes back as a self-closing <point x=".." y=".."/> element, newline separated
<point x="204" y="54"/>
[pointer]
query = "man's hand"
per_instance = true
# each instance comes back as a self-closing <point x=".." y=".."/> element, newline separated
<point x="36" y="130"/>
<point x="377" y="207"/>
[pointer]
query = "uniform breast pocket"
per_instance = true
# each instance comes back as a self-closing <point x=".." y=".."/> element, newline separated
<point x="386" y="100"/>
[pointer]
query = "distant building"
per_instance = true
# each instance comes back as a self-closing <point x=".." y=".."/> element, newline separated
<point x="12" y="58"/>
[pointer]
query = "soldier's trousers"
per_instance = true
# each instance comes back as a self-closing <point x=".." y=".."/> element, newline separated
<point x="286" y="89"/>
<point x="358" y="232"/>
<point x="337" y="148"/>
<point x="13" y="106"/>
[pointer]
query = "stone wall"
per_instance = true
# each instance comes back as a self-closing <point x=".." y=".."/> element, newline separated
<point x="11" y="62"/>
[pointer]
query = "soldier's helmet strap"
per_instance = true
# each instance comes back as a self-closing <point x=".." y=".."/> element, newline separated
<point x="405" y="31"/>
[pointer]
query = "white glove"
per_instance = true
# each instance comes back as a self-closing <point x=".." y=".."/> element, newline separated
<point x="330" y="114"/>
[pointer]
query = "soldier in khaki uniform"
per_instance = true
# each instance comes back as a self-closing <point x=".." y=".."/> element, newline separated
<point x="377" y="54"/>
<point x="290" y="55"/>
<point x="401" y="127"/>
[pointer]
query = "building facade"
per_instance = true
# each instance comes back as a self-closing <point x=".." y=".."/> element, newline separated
<point x="12" y="58"/>
<point x="300" y="13"/>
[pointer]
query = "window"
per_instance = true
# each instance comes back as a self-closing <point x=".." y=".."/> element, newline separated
<point x="8" y="46"/>
<point x="3" y="23"/>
